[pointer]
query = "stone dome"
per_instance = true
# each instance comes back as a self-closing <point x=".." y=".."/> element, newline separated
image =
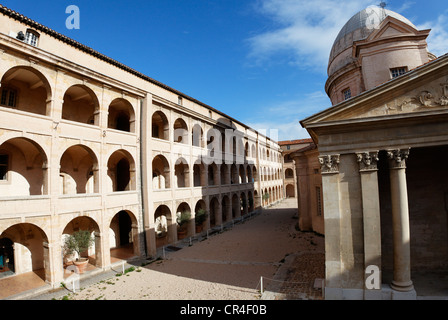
<point x="359" y="27"/>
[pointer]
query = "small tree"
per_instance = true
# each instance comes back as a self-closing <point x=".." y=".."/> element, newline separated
<point x="200" y="217"/>
<point x="183" y="218"/>
<point x="78" y="242"/>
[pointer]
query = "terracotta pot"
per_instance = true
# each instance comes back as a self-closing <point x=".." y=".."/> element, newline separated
<point x="198" y="229"/>
<point x="81" y="264"/>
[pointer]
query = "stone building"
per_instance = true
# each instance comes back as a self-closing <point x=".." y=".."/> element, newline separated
<point x="382" y="147"/>
<point x="303" y="180"/>
<point x="89" y="143"/>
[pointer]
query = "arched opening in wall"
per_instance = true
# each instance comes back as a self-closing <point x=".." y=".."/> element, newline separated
<point x="26" y="89"/>
<point x="266" y="197"/>
<point x="201" y="215"/>
<point x="213" y="143"/>
<point x="123" y="236"/>
<point x="236" y="206"/>
<point x="160" y="126"/>
<point x="234" y="177"/>
<point x="250" y="201"/>
<point x="184" y="220"/>
<point x="226" y="209"/>
<point x="214" y="211"/>
<point x="121" y="171"/>
<point x="254" y="174"/>
<point x="242" y="174"/>
<point x="225" y="145"/>
<point x="290" y="191"/>
<point x="271" y="196"/>
<point x="225" y="178"/>
<point x="213" y="174"/>
<point x="180" y="131"/>
<point x="6" y="257"/>
<point x="257" y="202"/>
<point x="23" y="249"/>
<point x="268" y="155"/>
<point x="289" y="174"/>
<point x="83" y="223"/>
<point x="243" y="203"/>
<point x="23" y="168"/>
<point x="246" y="151"/>
<point x="163" y="226"/>
<point x="182" y="173"/>
<point x="81" y="105"/>
<point x="160" y="173"/>
<point x="249" y="176"/>
<point x="121" y="115"/>
<point x="253" y="151"/>
<point x="197" y="136"/>
<point x="79" y="171"/>
<point x="199" y="175"/>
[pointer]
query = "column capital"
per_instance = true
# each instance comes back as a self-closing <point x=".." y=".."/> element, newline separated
<point x="367" y="160"/>
<point x="397" y="158"/>
<point x="329" y="163"/>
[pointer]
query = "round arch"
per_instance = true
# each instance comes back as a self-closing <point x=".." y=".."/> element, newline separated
<point x="180" y="131"/>
<point x="164" y="226"/>
<point x="24" y="165"/>
<point x="160" y="173"/>
<point x="79" y="171"/>
<point x="84" y="223"/>
<point x="27" y="89"/>
<point x="24" y="248"/>
<point x="160" y="126"/>
<point x="121" y="115"/>
<point x="81" y="105"/>
<point x="121" y="171"/>
<point x="123" y="235"/>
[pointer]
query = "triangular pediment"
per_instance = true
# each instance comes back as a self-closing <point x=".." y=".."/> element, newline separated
<point x="430" y="96"/>
<point x="422" y="90"/>
<point x="392" y="27"/>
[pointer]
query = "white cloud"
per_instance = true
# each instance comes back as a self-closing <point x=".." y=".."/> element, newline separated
<point x="438" y="38"/>
<point x="283" y="122"/>
<point x="305" y="29"/>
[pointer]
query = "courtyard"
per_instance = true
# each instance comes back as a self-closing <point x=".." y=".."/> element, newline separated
<point x="229" y="265"/>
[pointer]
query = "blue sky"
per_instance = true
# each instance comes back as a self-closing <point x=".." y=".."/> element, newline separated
<point x="262" y="62"/>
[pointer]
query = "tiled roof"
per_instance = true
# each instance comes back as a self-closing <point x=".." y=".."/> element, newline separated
<point x="290" y="142"/>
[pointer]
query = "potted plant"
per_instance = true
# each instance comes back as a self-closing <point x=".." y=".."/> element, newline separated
<point x="78" y="242"/>
<point x="182" y="221"/>
<point x="200" y="217"/>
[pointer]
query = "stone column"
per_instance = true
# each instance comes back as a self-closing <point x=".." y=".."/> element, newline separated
<point x="371" y="217"/>
<point x="331" y="195"/>
<point x="400" y="220"/>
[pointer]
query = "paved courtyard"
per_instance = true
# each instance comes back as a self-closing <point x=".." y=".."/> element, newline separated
<point x="265" y="249"/>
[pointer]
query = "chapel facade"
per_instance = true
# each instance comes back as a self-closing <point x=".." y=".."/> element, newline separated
<point x="87" y="143"/>
<point x="381" y="147"/>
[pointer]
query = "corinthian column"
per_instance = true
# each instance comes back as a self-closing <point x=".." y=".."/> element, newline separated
<point x="400" y="220"/>
<point x="368" y="170"/>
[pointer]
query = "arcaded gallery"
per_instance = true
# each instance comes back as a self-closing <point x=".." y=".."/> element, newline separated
<point x="88" y="143"/>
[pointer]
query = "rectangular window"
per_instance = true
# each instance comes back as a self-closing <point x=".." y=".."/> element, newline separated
<point x="396" y="72"/>
<point x="31" y="38"/>
<point x="319" y="201"/>
<point x="4" y="161"/>
<point x="8" y="98"/>
<point x="347" y="94"/>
